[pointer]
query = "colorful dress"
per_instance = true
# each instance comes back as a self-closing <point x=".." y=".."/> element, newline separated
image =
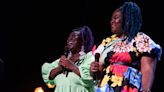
<point x="121" y="60"/>
<point x="71" y="83"/>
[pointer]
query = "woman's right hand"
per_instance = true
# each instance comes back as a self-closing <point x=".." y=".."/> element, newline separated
<point x="94" y="67"/>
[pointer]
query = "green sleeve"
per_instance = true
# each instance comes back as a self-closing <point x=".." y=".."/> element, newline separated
<point x="84" y="69"/>
<point x="46" y="69"/>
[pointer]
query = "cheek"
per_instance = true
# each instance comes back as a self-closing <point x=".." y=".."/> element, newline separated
<point x="119" y="26"/>
<point x="78" y="45"/>
<point x="75" y="44"/>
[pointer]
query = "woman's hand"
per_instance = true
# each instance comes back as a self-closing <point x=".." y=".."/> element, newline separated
<point x="94" y="67"/>
<point x="64" y="62"/>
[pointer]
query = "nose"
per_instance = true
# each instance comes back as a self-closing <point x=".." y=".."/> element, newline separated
<point x="112" y="21"/>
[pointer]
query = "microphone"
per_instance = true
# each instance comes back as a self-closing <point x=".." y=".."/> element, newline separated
<point x="66" y="54"/>
<point x="97" y="56"/>
<point x="66" y="51"/>
<point x="95" y="75"/>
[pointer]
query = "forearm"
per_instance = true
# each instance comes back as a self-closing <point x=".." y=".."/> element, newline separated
<point x="54" y="72"/>
<point x="148" y="67"/>
<point x="75" y="70"/>
<point x="147" y="79"/>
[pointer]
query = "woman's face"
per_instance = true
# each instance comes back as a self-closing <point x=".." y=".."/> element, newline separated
<point x="116" y="22"/>
<point x="74" y="42"/>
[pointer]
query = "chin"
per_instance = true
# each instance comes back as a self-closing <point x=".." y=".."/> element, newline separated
<point x="114" y="32"/>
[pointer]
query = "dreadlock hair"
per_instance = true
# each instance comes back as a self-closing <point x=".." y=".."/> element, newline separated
<point x="87" y="37"/>
<point x="132" y="19"/>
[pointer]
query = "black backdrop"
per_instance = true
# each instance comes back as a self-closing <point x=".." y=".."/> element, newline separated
<point x="35" y="32"/>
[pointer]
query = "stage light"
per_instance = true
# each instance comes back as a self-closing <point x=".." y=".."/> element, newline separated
<point x="39" y="89"/>
<point x="50" y="86"/>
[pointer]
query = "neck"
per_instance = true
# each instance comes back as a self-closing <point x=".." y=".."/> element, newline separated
<point x="75" y="57"/>
<point x="121" y="35"/>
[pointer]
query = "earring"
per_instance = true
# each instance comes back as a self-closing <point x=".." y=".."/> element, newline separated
<point x="82" y="48"/>
<point x="127" y="23"/>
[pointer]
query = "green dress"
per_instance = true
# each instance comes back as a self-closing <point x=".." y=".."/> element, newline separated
<point x="73" y="82"/>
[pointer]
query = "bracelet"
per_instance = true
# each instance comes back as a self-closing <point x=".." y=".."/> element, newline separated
<point x="147" y="90"/>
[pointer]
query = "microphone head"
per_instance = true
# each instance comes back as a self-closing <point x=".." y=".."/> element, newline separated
<point x="66" y="51"/>
<point x="97" y="56"/>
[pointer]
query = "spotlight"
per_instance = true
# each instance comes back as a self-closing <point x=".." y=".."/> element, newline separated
<point x="39" y="89"/>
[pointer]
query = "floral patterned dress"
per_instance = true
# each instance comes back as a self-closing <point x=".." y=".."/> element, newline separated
<point x="122" y="62"/>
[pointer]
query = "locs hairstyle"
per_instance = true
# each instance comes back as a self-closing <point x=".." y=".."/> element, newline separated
<point x="132" y="19"/>
<point x="87" y="37"/>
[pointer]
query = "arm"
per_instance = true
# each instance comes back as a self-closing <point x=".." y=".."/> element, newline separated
<point x="54" y="72"/>
<point x="148" y="66"/>
<point x="46" y="69"/>
<point x="69" y="65"/>
<point x="75" y="69"/>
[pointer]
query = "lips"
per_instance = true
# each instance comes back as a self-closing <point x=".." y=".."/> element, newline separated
<point x="112" y="26"/>
<point x="69" y="45"/>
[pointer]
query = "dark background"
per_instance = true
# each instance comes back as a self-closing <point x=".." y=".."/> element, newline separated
<point x="35" y="32"/>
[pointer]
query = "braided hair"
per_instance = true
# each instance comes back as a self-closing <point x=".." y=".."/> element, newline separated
<point x="132" y="19"/>
<point x="87" y="38"/>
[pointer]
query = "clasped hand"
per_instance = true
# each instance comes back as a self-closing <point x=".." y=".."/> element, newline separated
<point x="64" y="62"/>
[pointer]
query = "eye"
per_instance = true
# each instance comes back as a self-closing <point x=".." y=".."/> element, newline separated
<point x="116" y="17"/>
<point x="69" y="39"/>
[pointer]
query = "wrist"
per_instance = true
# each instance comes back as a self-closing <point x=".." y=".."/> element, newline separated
<point x="75" y="70"/>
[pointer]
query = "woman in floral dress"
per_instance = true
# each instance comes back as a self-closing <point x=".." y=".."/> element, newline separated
<point x="128" y="58"/>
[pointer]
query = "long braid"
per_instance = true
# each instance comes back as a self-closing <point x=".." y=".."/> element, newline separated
<point x="132" y="19"/>
<point x="87" y="37"/>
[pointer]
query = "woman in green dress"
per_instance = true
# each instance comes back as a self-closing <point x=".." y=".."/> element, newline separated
<point x="71" y="72"/>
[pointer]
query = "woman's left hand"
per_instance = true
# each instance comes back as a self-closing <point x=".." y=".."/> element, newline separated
<point x="65" y="63"/>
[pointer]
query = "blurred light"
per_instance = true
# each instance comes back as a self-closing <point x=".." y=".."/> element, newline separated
<point x="39" y="89"/>
<point x="50" y="86"/>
